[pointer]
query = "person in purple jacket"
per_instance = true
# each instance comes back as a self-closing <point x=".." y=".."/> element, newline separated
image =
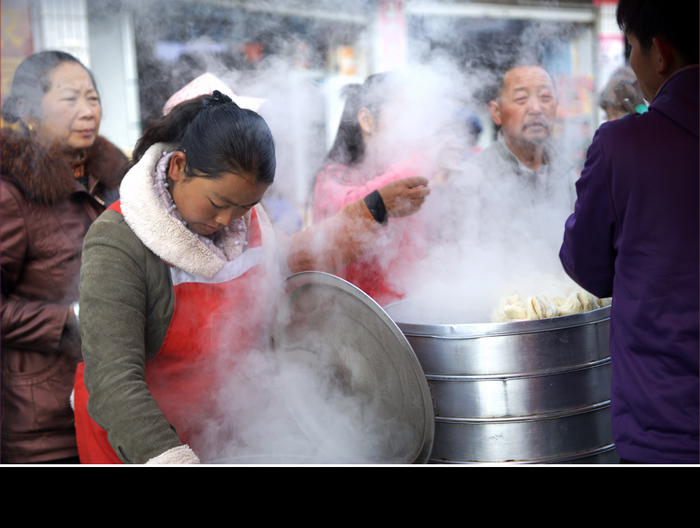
<point x="634" y="236"/>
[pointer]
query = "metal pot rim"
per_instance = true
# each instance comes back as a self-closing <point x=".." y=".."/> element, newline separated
<point x="459" y="330"/>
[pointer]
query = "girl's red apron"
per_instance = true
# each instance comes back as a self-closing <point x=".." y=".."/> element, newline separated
<point x="213" y="321"/>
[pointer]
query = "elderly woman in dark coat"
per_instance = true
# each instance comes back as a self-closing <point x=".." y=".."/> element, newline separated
<point x="57" y="177"/>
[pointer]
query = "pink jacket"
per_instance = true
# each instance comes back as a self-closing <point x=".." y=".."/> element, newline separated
<point x="380" y="271"/>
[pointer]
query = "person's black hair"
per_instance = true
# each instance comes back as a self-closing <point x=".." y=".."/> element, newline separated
<point x="675" y="22"/>
<point x="31" y="81"/>
<point x="349" y="147"/>
<point x="217" y="136"/>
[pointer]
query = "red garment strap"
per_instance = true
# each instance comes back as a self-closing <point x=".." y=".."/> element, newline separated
<point x="93" y="445"/>
<point x="116" y="206"/>
<point x="255" y="232"/>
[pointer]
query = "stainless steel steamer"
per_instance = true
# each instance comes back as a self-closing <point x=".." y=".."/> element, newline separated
<point x="523" y="392"/>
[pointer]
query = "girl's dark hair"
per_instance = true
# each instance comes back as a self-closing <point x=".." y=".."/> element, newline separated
<point x="217" y="136"/>
<point x="31" y="81"/>
<point x="349" y="147"/>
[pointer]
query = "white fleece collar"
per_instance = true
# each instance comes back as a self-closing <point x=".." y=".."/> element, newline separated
<point x="161" y="232"/>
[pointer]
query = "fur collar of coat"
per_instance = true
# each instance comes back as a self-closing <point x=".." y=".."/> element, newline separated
<point x="160" y="231"/>
<point x="43" y="174"/>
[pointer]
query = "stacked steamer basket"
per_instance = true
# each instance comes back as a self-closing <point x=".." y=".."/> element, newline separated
<point x="517" y="392"/>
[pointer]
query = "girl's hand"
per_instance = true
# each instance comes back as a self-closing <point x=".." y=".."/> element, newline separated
<point x="404" y="197"/>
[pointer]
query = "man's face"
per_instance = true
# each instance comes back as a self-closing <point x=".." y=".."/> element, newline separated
<point x="527" y="109"/>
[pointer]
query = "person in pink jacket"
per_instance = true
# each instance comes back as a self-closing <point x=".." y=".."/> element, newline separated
<point x="358" y="165"/>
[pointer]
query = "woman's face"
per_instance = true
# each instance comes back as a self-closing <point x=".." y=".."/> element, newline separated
<point x="70" y="113"/>
<point x="207" y="204"/>
<point x="397" y="130"/>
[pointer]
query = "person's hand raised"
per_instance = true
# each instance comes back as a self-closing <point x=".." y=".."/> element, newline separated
<point x="404" y="197"/>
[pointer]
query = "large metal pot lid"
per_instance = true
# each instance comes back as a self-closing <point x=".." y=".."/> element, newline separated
<point x="364" y="398"/>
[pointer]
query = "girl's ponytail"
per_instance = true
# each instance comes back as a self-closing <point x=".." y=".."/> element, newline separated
<point x="170" y="128"/>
